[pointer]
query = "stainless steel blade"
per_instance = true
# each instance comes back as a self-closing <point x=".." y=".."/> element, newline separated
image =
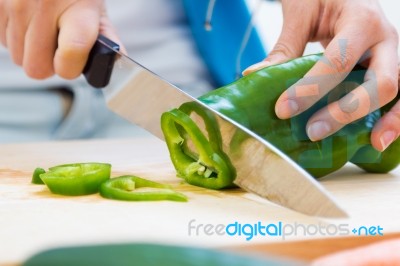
<point x="141" y="96"/>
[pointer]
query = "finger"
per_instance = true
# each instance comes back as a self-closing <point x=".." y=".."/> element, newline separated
<point x="339" y="58"/>
<point x="79" y="27"/>
<point x="381" y="253"/>
<point x="20" y="14"/>
<point x="387" y="129"/>
<point x="379" y="88"/>
<point x="3" y="23"/>
<point x="40" y="44"/>
<point x="325" y="42"/>
<point x="292" y="40"/>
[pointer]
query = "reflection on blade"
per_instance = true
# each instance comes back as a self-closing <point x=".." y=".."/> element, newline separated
<point x="141" y="96"/>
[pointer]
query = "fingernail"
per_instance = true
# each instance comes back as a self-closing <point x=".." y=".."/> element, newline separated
<point x="256" y="67"/>
<point x="287" y="109"/>
<point x="387" y="138"/>
<point x="318" y="130"/>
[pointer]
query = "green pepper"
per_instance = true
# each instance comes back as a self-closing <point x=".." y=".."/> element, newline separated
<point x="137" y="254"/>
<point x="204" y="164"/>
<point x="76" y="179"/>
<point x="133" y="188"/>
<point x="251" y="102"/>
<point x="36" y="176"/>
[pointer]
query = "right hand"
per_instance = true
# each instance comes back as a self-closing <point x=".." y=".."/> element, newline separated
<point x="48" y="37"/>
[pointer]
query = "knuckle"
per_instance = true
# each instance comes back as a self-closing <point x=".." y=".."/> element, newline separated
<point x="338" y="115"/>
<point x="396" y="115"/>
<point x="392" y="119"/>
<point x="46" y="2"/>
<point x="392" y="31"/>
<point x="346" y="118"/>
<point x="69" y="62"/>
<point x="396" y="108"/>
<point x="74" y="48"/>
<point x="17" y="7"/>
<point x="283" y="49"/>
<point x="67" y="70"/>
<point x="388" y="87"/>
<point x="76" y="45"/>
<point x="374" y="18"/>
<point x="45" y="6"/>
<point x="342" y="62"/>
<point x="347" y="110"/>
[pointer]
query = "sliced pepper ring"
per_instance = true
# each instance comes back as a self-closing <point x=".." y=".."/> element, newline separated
<point x="134" y="188"/>
<point x="211" y="169"/>
<point x="76" y="179"/>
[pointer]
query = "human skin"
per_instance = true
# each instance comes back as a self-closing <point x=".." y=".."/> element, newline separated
<point x="351" y="31"/>
<point x="381" y="253"/>
<point x="48" y="37"/>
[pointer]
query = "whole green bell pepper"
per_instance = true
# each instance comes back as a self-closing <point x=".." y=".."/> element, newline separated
<point x="251" y="102"/>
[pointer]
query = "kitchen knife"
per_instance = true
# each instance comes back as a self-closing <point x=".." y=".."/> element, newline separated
<point x="141" y="96"/>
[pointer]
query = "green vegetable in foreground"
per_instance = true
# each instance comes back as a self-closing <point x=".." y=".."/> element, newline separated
<point x="76" y="179"/>
<point x="251" y="102"/>
<point x="139" y="254"/>
<point x="133" y="188"/>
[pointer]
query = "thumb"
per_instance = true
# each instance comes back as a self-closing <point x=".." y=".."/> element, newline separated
<point x="291" y="44"/>
<point x="108" y="30"/>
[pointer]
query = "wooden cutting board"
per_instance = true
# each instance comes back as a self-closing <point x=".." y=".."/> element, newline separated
<point x="32" y="219"/>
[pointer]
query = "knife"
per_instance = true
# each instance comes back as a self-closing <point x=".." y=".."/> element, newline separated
<point x="141" y="96"/>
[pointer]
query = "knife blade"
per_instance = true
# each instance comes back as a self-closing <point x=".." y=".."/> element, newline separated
<point x="141" y="96"/>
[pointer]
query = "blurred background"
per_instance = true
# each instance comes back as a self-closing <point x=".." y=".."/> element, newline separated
<point x="270" y="13"/>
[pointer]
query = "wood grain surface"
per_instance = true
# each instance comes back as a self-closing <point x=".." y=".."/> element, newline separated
<point x="32" y="219"/>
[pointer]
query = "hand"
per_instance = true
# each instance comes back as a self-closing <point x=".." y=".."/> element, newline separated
<point x="381" y="253"/>
<point x="351" y="31"/>
<point x="48" y="37"/>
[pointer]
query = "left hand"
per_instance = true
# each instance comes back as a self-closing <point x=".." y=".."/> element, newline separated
<point x="351" y="31"/>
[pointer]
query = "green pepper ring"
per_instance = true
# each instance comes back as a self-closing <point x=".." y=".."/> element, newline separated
<point x="76" y="179"/>
<point x="128" y="188"/>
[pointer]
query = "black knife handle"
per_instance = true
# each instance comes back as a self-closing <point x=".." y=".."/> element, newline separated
<point x="99" y="66"/>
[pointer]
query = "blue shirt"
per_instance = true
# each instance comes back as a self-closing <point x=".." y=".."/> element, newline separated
<point x="221" y="46"/>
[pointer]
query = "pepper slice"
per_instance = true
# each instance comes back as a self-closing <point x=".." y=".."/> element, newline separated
<point x="207" y="166"/>
<point x="76" y="179"/>
<point x="134" y="188"/>
<point x="36" y="176"/>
